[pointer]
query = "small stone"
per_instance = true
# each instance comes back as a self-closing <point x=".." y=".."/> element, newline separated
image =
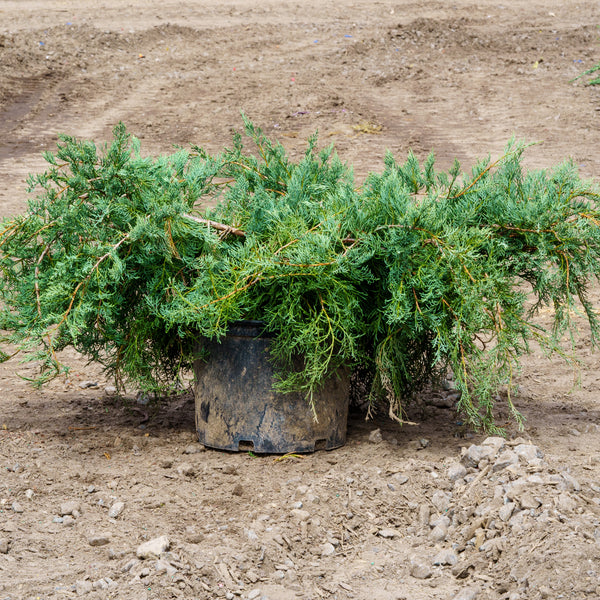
<point x="515" y="471"/>
<point x="301" y="515"/>
<point x="68" y="521"/>
<point x="154" y="547"/>
<point x="116" y="509"/>
<point x="163" y="567"/>
<point x="88" y="384"/>
<point x="475" y="454"/>
<point x="462" y="569"/>
<point x="423" y="442"/>
<point x="251" y="576"/>
<point x="439" y="533"/>
<point x="110" y="390"/>
<point x="517" y="519"/>
<point x="537" y="479"/>
<point x="100" y="584"/>
<point x="565" y="503"/>
<point x="3" y="546"/>
<point x="506" y="458"/>
<point x="388" y="533"/>
<point x="444" y="521"/>
<point x="424" y="513"/>
<point x="238" y="489"/>
<point x="83" y="587"/>
<point x="456" y="471"/>
<point x="528" y="452"/>
<point x="29" y="494"/>
<point x="194" y="449"/>
<point x="420" y="570"/>
<point x="527" y="500"/>
<point x="545" y="591"/>
<point x="445" y="557"/>
<point x="399" y="478"/>
<point x="70" y="507"/>
<point x="99" y="539"/>
<point x="327" y="549"/>
<point x="186" y="470"/>
<point x="493" y="547"/>
<point x="254" y="594"/>
<point x="193" y="536"/>
<point x="17" y="507"/>
<point x="441" y="500"/>
<point x="58" y="520"/>
<point x="506" y="511"/>
<point x="537" y="464"/>
<point x="496" y="442"/>
<point x="570" y="483"/>
<point x="519" y="440"/>
<point x="469" y="593"/>
<point x="129" y="565"/>
<point x="375" y="436"/>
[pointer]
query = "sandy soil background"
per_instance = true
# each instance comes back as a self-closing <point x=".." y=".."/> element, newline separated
<point x="398" y="513"/>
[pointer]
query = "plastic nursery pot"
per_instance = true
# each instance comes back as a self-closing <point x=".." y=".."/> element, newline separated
<point x="237" y="408"/>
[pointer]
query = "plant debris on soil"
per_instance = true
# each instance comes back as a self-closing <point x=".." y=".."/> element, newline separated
<point x="107" y="496"/>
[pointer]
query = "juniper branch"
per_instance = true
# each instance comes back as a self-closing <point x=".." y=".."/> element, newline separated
<point x="411" y="273"/>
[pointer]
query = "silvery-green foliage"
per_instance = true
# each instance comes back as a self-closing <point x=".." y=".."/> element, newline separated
<point x="120" y="257"/>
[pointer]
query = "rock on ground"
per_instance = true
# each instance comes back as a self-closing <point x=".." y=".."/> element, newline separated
<point x="153" y="548"/>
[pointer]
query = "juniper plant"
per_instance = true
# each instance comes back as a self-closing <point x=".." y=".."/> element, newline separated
<point x="135" y="261"/>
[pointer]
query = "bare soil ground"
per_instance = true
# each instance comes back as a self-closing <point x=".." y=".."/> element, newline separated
<point x="385" y="517"/>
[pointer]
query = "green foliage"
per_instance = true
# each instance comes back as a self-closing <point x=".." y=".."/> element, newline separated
<point x="594" y="80"/>
<point x="120" y="257"/>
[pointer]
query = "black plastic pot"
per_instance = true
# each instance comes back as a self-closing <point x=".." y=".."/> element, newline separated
<point x="237" y="408"/>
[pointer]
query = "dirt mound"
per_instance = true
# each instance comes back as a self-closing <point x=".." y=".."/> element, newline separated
<point x="496" y="519"/>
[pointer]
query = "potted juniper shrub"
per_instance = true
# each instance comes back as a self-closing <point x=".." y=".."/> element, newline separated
<point x="145" y="265"/>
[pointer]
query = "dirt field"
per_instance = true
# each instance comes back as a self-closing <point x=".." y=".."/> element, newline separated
<point x="392" y="515"/>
